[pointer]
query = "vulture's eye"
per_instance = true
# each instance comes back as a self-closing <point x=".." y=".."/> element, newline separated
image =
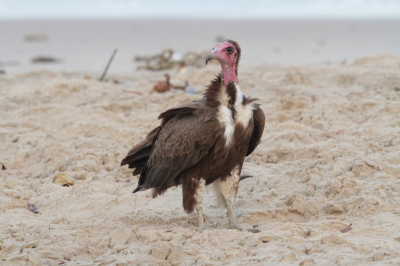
<point x="229" y="50"/>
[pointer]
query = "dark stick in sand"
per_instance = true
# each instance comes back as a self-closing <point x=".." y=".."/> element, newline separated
<point x="346" y="229"/>
<point x="108" y="65"/>
<point x="135" y="92"/>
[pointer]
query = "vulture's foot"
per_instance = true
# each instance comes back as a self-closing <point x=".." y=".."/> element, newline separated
<point x="255" y="229"/>
<point x="200" y="229"/>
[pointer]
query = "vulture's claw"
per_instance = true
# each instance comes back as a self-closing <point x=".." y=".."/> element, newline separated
<point x="235" y="226"/>
<point x="255" y="229"/>
<point x="242" y="177"/>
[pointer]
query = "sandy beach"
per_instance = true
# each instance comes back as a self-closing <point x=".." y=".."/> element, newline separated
<point x="329" y="156"/>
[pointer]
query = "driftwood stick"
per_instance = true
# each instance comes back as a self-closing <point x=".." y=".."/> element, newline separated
<point x="108" y="65"/>
<point x="135" y="92"/>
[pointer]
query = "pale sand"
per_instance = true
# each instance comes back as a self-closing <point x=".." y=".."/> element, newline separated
<point x="329" y="157"/>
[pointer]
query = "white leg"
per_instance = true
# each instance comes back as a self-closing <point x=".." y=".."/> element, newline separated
<point x="199" y="195"/>
<point x="200" y="218"/>
<point x="227" y="191"/>
<point x="231" y="216"/>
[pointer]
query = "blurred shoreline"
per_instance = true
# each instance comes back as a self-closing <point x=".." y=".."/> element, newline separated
<point x="86" y="45"/>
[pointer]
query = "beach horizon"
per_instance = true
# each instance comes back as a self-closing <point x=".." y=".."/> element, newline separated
<point x="86" y="45"/>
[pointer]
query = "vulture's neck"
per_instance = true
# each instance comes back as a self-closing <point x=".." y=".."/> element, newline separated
<point x="228" y="73"/>
<point x="225" y="89"/>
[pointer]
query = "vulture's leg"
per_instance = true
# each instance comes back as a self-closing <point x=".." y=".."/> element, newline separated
<point x="227" y="190"/>
<point x="193" y="190"/>
<point x="198" y="196"/>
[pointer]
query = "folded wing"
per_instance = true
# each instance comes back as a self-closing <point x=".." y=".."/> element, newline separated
<point x="182" y="143"/>
<point x="259" y="122"/>
<point x="185" y="136"/>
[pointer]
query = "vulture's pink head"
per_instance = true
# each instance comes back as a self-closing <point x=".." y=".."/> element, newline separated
<point x="227" y="54"/>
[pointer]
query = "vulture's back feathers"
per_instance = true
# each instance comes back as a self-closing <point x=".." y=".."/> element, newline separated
<point x="186" y="134"/>
<point x="183" y="141"/>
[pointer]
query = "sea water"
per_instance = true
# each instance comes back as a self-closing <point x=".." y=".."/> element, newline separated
<point x="200" y="9"/>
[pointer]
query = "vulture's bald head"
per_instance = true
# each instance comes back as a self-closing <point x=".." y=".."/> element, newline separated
<point x="227" y="52"/>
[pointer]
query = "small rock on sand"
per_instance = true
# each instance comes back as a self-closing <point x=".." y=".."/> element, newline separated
<point x="120" y="236"/>
<point x="10" y="183"/>
<point x="334" y="209"/>
<point x="32" y="207"/>
<point x="35" y="259"/>
<point x="162" y="251"/>
<point x="63" y="180"/>
<point x="254" y="242"/>
<point x="266" y="239"/>
<point x="176" y="256"/>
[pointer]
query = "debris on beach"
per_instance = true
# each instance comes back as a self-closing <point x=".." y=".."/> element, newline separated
<point x="346" y="229"/>
<point x="254" y="229"/>
<point x="36" y="38"/>
<point x="162" y="86"/>
<point x="80" y="104"/>
<point x="108" y="65"/>
<point x="2" y="71"/>
<point x="194" y="59"/>
<point x="183" y="88"/>
<point x="32" y="207"/>
<point x="160" y="61"/>
<point x="168" y="59"/>
<point x="266" y="239"/>
<point x="3" y="167"/>
<point x="45" y="59"/>
<point x="190" y="90"/>
<point x="63" y="180"/>
<point x="134" y="92"/>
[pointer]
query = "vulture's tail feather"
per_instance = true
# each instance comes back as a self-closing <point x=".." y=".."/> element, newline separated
<point x="141" y="188"/>
<point x="131" y="159"/>
<point x="138" y="159"/>
<point x="242" y="177"/>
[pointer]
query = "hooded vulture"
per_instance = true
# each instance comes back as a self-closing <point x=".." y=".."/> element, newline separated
<point x="202" y="142"/>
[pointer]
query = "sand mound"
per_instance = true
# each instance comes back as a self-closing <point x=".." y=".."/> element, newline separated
<point x="329" y="157"/>
<point x="379" y="61"/>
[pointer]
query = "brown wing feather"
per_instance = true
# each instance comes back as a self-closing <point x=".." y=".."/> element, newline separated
<point x="259" y="122"/>
<point x="186" y="134"/>
<point x="139" y="155"/>
<point x="183" y="142"/>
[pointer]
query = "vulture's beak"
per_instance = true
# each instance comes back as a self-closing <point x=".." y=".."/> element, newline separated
<point x="214" y="54"/>
<point x="209" y="58"/>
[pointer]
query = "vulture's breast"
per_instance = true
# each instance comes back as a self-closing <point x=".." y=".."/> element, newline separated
<point x="235" y="122"/>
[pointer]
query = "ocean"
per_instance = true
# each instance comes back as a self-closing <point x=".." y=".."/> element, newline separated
<point x="199" y="9"/>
